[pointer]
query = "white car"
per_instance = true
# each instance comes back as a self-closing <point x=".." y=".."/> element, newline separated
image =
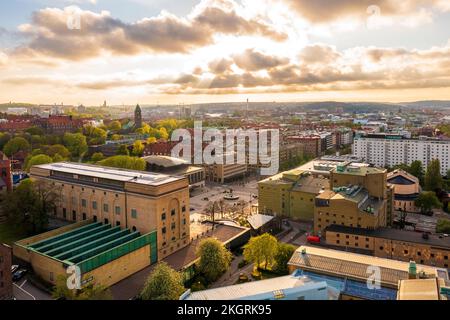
<point x="14" y="268"/>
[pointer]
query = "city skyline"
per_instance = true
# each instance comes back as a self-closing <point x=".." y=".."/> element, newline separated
<point x="222" y="50"/>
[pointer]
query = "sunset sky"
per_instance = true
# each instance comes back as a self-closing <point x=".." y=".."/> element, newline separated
<point x="186" y="51"/>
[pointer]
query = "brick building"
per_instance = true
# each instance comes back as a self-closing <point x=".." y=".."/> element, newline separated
<point x="6" y="285"/>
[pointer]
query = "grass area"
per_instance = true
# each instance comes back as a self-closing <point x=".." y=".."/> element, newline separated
<point x="10" y="233"/>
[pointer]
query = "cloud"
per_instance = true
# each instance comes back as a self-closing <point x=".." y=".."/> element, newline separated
<point x="74" y="34"/>
<point x="324" y="11"/>
<point x="252" y="60"/>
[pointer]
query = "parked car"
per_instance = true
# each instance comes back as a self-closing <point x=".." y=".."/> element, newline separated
<point x="19" y="274"/>
<point x="14" y="268"/>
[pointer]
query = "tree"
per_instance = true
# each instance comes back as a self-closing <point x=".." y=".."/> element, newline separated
<point x="15" y="145"/>
<point x="164" y="283"/>
<point x="433" y="178"/>
<point x="57" y="149"/>
<point x="30" y="203"/>
<point x="223" y="207"/>
<point x="211" y="208"/>
<point x="416" y="169"/>
<point x="116" y="137"/>
<point x="427" y="201"/>
<point x="123" y="150"/>
<point x="261" y="249"/>
<point x="90" y="292"/>
<point x="282" y="257"/>
<point x="76" y="144"/>
<point x="35" y="131"/>
<point x="151" y="140"/>
<point x="215" y="259"/>
<point x="138" y="148"/>
<point x="115" y="126"/>
<point x="37" y="160"/>
<point x="4" y="138"/>
<point x="98" y="156"/>
<point x="94" y="135"/>
<point x="124" y="162"/>
<point x="443" y="226"/>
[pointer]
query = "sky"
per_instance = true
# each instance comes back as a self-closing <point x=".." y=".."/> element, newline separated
<point x="200" y="51"/>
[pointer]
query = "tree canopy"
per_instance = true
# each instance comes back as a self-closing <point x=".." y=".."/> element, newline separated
<point x="124" y="162"/>
<point x="427" y="201"/>
<point x="282" y="257"/>
<point x="433" y="178"/>
<point x="214" y="258"/>
<point x="15" y="145"/>
<point x="164" y="283"/>
<point x="37" y="160"/>
<point x="261" y="249"/>
<point x="90" y="292"/>
<point x="76" y="144"/>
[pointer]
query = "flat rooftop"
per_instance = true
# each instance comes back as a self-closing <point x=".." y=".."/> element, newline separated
<point x="122" y="175"/>
<point x="165" y="161"/>
<point x="394" y="234"/>
<point x="420" y="289"/>
<point x="354" y="266"/>
<point x="272" y="287"/>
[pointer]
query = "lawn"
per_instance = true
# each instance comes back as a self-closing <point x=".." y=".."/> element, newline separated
<point x="10" y="234"/>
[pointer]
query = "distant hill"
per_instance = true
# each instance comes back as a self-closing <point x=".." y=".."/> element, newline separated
<point x="428" y="103"/>
<point x="5" y="106"/>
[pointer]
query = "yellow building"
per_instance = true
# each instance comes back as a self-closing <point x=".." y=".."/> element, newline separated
<point x="290" y="194"/>
<point x="359" y="197"/>
<point x="406" y="190"/>
<point x="392" y="243"/>
<point x="140" y="201"/>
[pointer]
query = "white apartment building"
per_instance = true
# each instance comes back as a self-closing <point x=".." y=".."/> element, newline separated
<point x="392" y="150"/>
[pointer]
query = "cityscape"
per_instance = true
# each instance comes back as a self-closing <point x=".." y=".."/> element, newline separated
<point x="225" y="150"/>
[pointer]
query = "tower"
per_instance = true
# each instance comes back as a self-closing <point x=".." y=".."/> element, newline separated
<point x="138" y="117"/>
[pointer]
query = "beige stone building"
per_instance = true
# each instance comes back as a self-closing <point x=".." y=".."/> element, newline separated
<point x="393" y="244"/>
<point x="140" y="201"/>
<point x="359" y="197"/>
<point x="406" y="190"/>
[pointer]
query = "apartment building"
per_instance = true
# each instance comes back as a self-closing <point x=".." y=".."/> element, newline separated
<point x="388" y="150"/>
<point x="140" y="201"/>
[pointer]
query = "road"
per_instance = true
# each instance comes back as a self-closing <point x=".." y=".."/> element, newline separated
<point x="24" y="290"/>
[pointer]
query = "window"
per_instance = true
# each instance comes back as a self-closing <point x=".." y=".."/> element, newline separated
<point x="432" y="255"/>
<point x="84" y="216"/>
<point x="381" y="248"/>
<point x="163" y="216"/>
<point x="405" y="251"/>
<point x="164" y="230"/>
<point x="94" y="205"/>
<point x="105" y="207"/>
<point x="83" y="203"/>
<point x="134" y="213"/>
<point x="134" y="229"/>
<point x="117" y="223"/>
<point x="172" y="212"/>
<point x="117" y="210"/>
<point x="173" y="226"/>
<point x="183" y="208"/>
<point x="74" y="215"/>
<point x="338" y="241"/>
<point x="64" y="213"/>
<point x="95" y="218"/>
<point x="106" y="221"/>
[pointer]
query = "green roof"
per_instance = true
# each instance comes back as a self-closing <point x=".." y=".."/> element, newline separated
<point x="94" y="245"/>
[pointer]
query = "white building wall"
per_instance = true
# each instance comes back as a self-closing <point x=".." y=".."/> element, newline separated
<point x="388" y="153"/>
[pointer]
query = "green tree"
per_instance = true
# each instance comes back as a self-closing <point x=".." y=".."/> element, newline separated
<point x="37" y="160"/>
<point x="35" y="131"/>
<point x="260" y="249"/>
<point x="4" y="138"/>
<point x="98" y="156"/>
<point x="427" y="201"/>
<point x="433" y="178"/>
<point x="90" y="292"/>
<point x="124" y="162"/>
<point x="30" y="203"/>
<point x="76" y="144"/>
<point x="15" y="145"/>
<point x="94" y="135"/>
<point x="443" y="226"/>
<point x="164" y="283"/>
<point x="116" y="137"/>
<point x="115" y="126"/>
<point x="282" y="257"/>
<point x="122" y="150"/>
<point x="416" y="169"/>
<point x="151" y="140"/>
<point x="138" y="148"/>
<point x="214" y="258"/>
<point x="57" y="149"/>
